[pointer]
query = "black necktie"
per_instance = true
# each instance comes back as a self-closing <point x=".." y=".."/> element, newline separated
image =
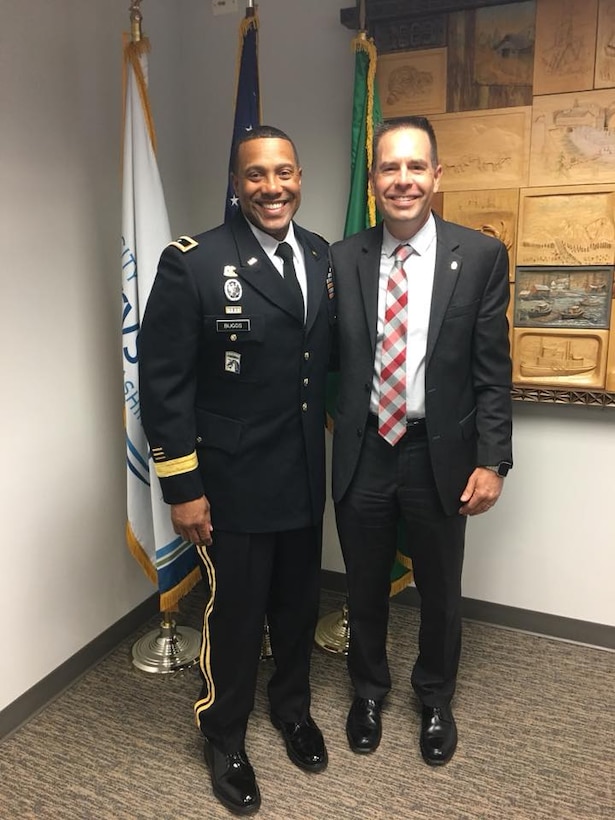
<point x="285" y="252"/>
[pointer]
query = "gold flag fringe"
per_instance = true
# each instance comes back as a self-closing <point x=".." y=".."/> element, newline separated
<point x="140" y="555"/>
<point x="169" y="600"/>
<point x="246" y="24"/>
<point x="366" y="44"/>
<point x="404" y="580"/>
<point x="132" y="55"/>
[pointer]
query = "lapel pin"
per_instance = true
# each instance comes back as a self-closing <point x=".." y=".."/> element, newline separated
<point x="252" y="260"/>
<point x="454" y="265"/>
<point x="229" y="270"/>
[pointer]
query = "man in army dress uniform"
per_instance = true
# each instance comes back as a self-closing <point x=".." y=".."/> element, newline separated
<point x="233" y="355"/>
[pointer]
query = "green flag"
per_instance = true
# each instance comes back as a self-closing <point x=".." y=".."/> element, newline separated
<point x="366" y="113"/>
<point x="361" y="212"/>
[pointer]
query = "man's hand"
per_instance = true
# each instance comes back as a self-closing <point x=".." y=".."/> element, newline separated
<point x="192" y="520"/>
<point x="482" y="491"/>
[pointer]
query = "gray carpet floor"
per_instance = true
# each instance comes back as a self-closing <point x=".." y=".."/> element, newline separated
<point x="536" y="721"/>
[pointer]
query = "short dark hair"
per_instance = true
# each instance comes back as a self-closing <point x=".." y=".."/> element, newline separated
<point x="257" y="133"/>
<point x="421" y="123"/>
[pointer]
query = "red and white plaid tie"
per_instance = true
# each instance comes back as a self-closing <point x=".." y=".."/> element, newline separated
<point x="392" y="406"/>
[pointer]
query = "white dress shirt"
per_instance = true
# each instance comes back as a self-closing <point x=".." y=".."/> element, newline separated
<point x="419" y="268"/>
<point x="270" y="245"/>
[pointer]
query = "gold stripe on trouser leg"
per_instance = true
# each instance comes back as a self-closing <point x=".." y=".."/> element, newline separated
<point x="204" y="658"/>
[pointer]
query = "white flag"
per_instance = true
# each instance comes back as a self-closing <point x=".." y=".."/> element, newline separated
<point x="168" y="561"/>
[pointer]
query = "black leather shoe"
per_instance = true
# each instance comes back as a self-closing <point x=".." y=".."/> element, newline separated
<point x="438" y="735"/>
<point x="304" y="743"/>
<point x="363" y="725"/>
<point x="233" y="780"/>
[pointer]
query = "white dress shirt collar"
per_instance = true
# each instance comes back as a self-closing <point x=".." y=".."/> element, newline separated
<point x="270" y="244"/>
<point x="420" y="242"/>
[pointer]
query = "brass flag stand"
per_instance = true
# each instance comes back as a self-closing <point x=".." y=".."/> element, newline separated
<point x="169" y="649"/>
<point x="333" y="632"/>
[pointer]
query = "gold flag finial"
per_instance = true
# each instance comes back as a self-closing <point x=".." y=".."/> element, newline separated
<point x="135" y="21"/>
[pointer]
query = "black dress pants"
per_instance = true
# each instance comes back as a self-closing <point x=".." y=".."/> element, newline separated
<point x="391" y="484"/>
<point x="251" y="576"/>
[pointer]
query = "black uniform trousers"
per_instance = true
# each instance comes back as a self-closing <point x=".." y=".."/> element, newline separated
<point x="251" y="576"/>
<point x="393" y="484"/>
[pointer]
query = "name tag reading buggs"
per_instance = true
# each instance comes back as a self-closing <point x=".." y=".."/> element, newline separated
<point x="232" y="325"/>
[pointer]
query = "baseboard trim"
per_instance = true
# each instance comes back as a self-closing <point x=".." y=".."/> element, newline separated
<point x="50" y="687"/>
<point x="601" y="636"/>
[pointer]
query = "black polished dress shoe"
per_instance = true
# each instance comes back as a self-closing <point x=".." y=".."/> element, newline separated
<point x="304" y="743"/>
<point x="438" y="735"/>
<point x="364" y="726"/>
<point x="233" y="780"/>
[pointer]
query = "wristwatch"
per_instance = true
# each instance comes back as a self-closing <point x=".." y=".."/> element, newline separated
<point x="500" y="469"/>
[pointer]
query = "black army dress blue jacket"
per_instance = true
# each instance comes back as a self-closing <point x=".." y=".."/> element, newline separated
<point x="232" y="380"/>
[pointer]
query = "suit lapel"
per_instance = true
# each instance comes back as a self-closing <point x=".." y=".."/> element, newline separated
<point x="447" y="269"/>
<point x="368" y="267"/>
<point x="257" y="270"/>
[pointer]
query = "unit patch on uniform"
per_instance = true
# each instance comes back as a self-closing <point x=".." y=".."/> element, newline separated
<point x="233" y="290"/>
<point x="232" y="362"/>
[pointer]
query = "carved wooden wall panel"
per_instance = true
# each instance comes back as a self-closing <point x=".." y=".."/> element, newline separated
<point x="412" y="82"/>
<point x="493" y="212"/>
<point x="565" y="45"/>
<point x="479" y="149"/>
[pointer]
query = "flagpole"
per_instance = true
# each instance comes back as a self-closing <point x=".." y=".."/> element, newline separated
<point x="362" y="30"/>
<point x="333" y="630"/>
<point x="266" y="653"/>
<point x="166" y="649"/>
<point x="135" y="21"/>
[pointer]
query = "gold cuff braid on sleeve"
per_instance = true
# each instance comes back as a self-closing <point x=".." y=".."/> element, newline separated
<point x="176" y="466"/>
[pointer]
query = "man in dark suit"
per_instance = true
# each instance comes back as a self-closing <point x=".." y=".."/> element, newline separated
<point x="233" y="356"/>
<point x="422" y="424"/>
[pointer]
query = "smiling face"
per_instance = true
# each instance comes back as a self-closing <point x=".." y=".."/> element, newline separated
<point x="404" y="180"/>
<point x="267" y="183"/>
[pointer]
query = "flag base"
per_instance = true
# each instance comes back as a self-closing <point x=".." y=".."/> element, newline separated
<point x="333" y="632"/>
<point x="167" y="650"/>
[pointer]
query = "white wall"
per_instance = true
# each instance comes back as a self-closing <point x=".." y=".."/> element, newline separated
<point x="66" y="574"/>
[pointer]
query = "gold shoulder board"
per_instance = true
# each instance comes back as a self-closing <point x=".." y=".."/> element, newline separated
<point x="184" y="244"/>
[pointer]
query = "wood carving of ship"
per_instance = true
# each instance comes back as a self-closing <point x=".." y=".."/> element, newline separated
<point x="572" y="312"/>
<point x="540" y="308"/>
<point x="556" y="361"/>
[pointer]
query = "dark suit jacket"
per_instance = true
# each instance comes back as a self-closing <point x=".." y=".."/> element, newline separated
<point x="468" y="369"/>
<point x="244" y="390"/>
